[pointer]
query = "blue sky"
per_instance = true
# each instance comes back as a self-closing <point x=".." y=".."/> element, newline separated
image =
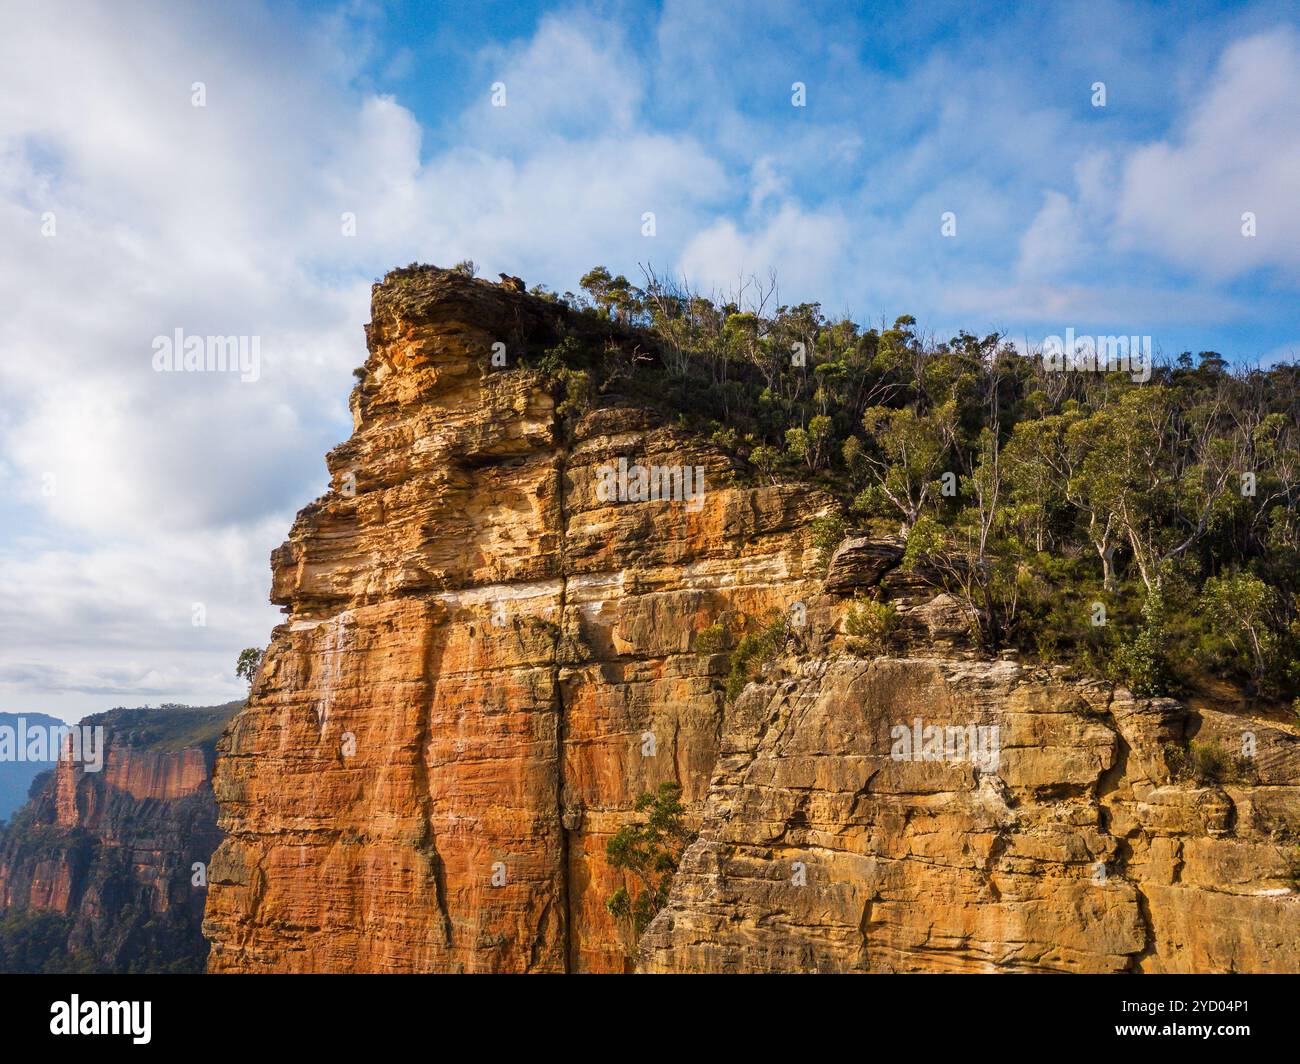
<point x="131" y="497"/>
<point x="983" y="110"/>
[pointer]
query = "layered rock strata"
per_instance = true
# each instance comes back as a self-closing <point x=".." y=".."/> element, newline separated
<point x="486" y="658"/>
<point x="1074" y="849"/>
<point x="493" y="644"/>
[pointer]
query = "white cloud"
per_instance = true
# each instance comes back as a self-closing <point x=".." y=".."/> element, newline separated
<point x="574" y="77"/>
<point x="1051" y="245"/>
<point x="1183" y="198"/>
<point x="808" y="246"/>
<point x="168" y="489"/>
<point x="226" y="220"/>
<point x="114" y="624"/>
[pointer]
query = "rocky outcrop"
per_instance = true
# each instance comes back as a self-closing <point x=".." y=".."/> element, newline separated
<point x="860" y="561"/>
<point x="495" y="640"/>
<point x="109" y="866"/>
<point x="834" y="841"/>
<point x="484" y="661"/>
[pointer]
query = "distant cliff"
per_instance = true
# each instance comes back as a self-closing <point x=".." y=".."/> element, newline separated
<point x="97" y="870"/>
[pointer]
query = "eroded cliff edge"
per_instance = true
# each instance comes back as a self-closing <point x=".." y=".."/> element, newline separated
<point x="452" y="720"/>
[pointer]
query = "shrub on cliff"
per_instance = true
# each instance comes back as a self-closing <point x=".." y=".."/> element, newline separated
<point x="1203" y="763"/>
<point x="870" y="627"/>
<point x="1142" y="664"/>
<point x="573" y="387"/>
<point x="755" y="650"/>
<point x="648" y="850"/>
<point x="711" y="640"/>
<point x="827" y="532"/>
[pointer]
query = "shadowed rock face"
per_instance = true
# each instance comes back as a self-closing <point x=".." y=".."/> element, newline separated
<point x="453" y="719"/>
<point x="859" y="562"/>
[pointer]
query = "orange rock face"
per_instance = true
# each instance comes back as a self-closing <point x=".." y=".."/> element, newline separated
<point x="483" y="665"/>
<point x="491" y="650"/>
<point x="160" y="775"/>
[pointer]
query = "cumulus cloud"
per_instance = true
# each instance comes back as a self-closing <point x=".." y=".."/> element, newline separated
<point x="575" y="77"/>
<point x="1183" y="198"/>
<point x="152" y="620"/>
<point x="790" y="242"/>
<point x="126" y="213"/>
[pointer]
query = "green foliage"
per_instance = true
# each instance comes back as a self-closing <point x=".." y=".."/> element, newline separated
<point x="1142" y="663"/>
<point x="614" y="297"/>
<point x="1026" y="493"/>
<point x="648" y="849"/>
<point x="577" y="393"/>
<point x="755" y="650"/>
<point x="870" y="626"/>
<point x="1202" y="763"/>
<point x="828" y="530"/>
<point x="35" y="942"/>
<point x="766" y="460"/>
<point x="926" y="539"/>
<point x="562" y="368"/>
<point x="402" y="275"/>
<point x="809" y="445"/>
<point x="910" y="453"/>
<point x="1211" y="763"/>
<point x="711" y="640"/>
<point x="168" y="727"/>
<point x="250" y="660"/>
<point x="1239" y="609"/>
<point x="725" y="438"/>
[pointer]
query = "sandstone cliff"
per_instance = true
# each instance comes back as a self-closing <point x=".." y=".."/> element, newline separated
<point x="451" y="722"/>
<point x="1079" y="851"/>
<point x="99" y="866"/>
<point x="486" y="658"/>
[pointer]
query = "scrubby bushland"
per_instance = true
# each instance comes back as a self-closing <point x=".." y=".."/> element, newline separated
<point x="1150" y="531"/>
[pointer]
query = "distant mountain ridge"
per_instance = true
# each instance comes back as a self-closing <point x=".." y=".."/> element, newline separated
<point x="16" y="776"/>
